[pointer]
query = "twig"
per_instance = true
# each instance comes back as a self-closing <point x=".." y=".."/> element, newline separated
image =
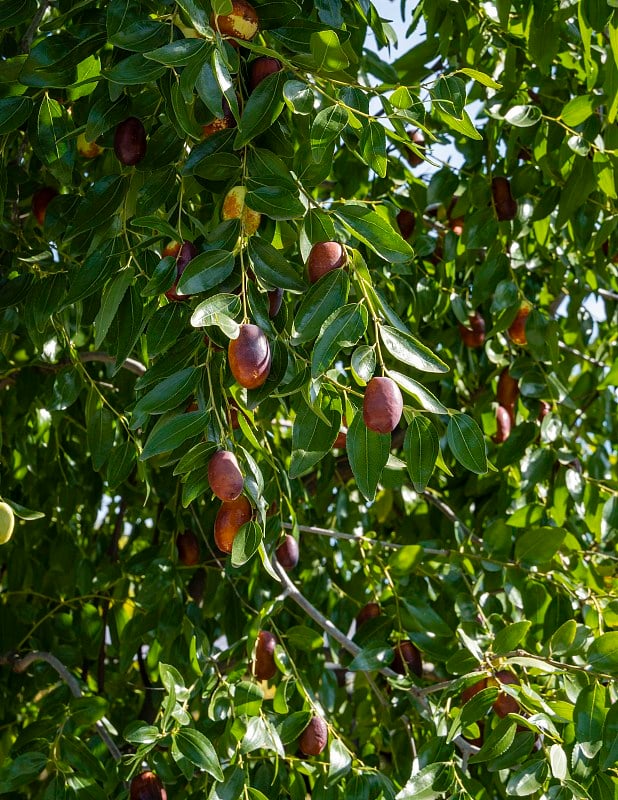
<point x="579" y="354"/>
<point x="606" y="293"/>
<point x="21" y="665"/>
<point x="130" y="364"/>
<point x="26" y="42"/>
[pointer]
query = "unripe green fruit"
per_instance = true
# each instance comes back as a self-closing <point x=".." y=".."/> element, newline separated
<point x="7" y="522"/>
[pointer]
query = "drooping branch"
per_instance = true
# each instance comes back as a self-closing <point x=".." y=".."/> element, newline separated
<point x="21" y="665"/>
<point x="130" y="364"/>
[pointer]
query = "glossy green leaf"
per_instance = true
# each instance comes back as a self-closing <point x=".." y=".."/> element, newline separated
<point x="408" y="350"/>
<point x="368" y="453"/>
<point x="374" y="231"/>
<point x="323" y="299"/>
<point x="466" y="442"/>
<point x="421" y="449"/>
<point x="342" y="329"/>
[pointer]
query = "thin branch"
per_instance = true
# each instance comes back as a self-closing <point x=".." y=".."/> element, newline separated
<point x="448" y="512"/>
<point x="21" y="665"/>
<point x="583" y="356"/>
<point x="130" y="364"/>
<point x="26" y="42"/>
<point x="607" y="294"/>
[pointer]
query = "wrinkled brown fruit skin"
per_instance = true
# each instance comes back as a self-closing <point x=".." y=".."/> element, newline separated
<point x="188" y="548"/>
<point x="508" y="391"/>
<point x="130" y="141"/>
<point x="503" y="425"/>
<point x="264" y="667"/>
<point x="382" y="405"/>
<point x="261" y="68"/>
<point x="473" y="690"/>
<point x="275" y="298"/>
<point x="504" y="703"/>
<point x="147" y="786"/>
<point x="186" y="252"/>
<point x="473" y="336"/>
<point x="406" y="222"/>
<point x="504" y="203"/>
<point x="517" y="331"/>
<point x="406" y="653"/>
<point x="324" y="258"/>
<point x="230" y="518"/>
<point x="367" y="612"/>
<point x="224" y="476"/>
<point x="418" y="138"/>
<point x="241" y="23"/>
<point x="314" y="738"/>
<point x="287" y="553"/>
<point x="220" y="123"/>
<point x="40" y="200"/>
<point x="249" y="357"/>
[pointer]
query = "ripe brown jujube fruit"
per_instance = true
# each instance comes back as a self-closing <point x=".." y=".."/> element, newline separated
<point x="474" y="334"/>
<point x="249" y="357"/>
<point x="188" y="548"/>
<point x="314" y="738"/>
<point x="508" y="390"/>
<point x="367" y="612"/>
<point x="504" y="703"/>
<point x="171" y="249"/>
<point x="517" y="330"/>
<point x="504" y="423"/>
<point x="241" y="22"/>
<point x="504" y="203"/>
<point x="264" y="667"/>
<point x="40" y="200"/>
<point x="147" y="786"/>
<point x="324" y="257"/>
<point x="407" y="654"/>
<point x="275" y="298"/>
<point x="287" y="553"/>
<point x="228" y="120"/>
<point x="186" y="253"/>
<point x="224" y="476"/>
<point x="229" y="520"/>
<point x="406" y="222"/>
<point x="130" y="141"/>
<point x="261" y="68"/>
<point x="473" y="690"/>
<point x="382" y="405"/>
<point x="418" y="138"/>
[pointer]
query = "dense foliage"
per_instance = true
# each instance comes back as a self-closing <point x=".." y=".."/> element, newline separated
<point x="451" y="626"/>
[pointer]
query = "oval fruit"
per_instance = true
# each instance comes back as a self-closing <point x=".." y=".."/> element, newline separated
<point x="7" y="522"/>
<point x="275" y="298"/>
<point x="88" y="149"/>
<point x="314" y="738"/>
<point x="188" y="548"/>
<point x="147" y="786"/>
<point x="504" y="203"/>
<point x="234" y="207"/>
<point x="261" y="68"/>
<point x="407" y="657"/>
<point x="249" y="357"/>
<point x="287" y="553"/>
<point x="406" y="222"/>
<point x="241" y="22"/>
<point x="517" y="330"/>
<point x="185" y="253"/>
<point x="264" y="667"/>
<point x="417" y="138"/>
<point x="224" y="476"/>
<point x="367" y="612"/>
<point x="382" y="405"/>
<point x="230" y="518"/>
<point x="171" y="249"/>
<point x="324" y="257"/>
<point x="474" y="334"/>
<point x="228" y="120"/>
<point x="504" y="703"/>
<point x="130" y="141"/>
<point x="508" y="390"/>
<point x="40" y="200"/>
<point x="504" y="424"/>
<point x="473" y="690"/>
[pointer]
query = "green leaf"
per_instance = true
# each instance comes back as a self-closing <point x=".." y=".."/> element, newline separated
<point x="523" y="116"/>
<point x="363" y="363"/>
<point x="420" y="785"/>
<point x="589" y="718"/>
<point x="134" y="71"/>
<point x="248" y="698"/>
<point x="179" y="53"/>
<point x="374" y="231"/>
<point x="578" y="109"/>
<point x="263" y="107"/>
<point x="449" y="95"/>
<point x="408" y="350"/>
<point x="100" y="202"/>
<point x="167" y="394"/>
<point x="323" y="299"/>
<point x="199" y="750"/>
<point x="206" y="271"/>
<point x="325" y="129"/>
<point x="312" y="437"/>
<point x="112" y="297"/>
<point x="303" y="638"/>
<point x="169" y="434"/>
<point x="271" y="266"/>
<point x="210" y="311"/>
<point x="299" y="97"/>
<point x="339" y="759"/>
<point x="425" y="399"/>
<point x="373" y="147"/>
<point x="246" y="543"/>
<point x="138" y="733"/>
<point x="497" y="743"/>
<point x="100" y="436"/>
<point x="466" y="442"/>
<point x="510" y="637"/>
<point x="538" y="545"/>
<point x="94" y="272"/>
<point x="293" y="725"/>
<point x="603" y="653"/>
<point x="372" y="658"/>
<point x="342" y="329"/>
<point x="14" y="111"/>
<point x="608" y="755"/>
<point x="481" y="77"/>
<point x="421" y="448"/>
<point x="327" y="51"/>
<point x="368" y="453"/>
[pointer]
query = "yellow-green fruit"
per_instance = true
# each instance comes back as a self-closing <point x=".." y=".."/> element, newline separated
<point x="234" y="208"/>
<point x="7" y="522"/>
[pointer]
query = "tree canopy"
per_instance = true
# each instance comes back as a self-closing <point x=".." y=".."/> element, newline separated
<point x="308" y="424"/>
